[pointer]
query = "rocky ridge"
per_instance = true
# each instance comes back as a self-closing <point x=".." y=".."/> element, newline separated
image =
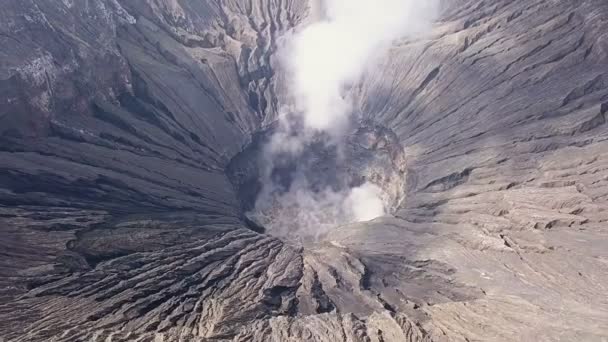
<point x="118" y="221"/>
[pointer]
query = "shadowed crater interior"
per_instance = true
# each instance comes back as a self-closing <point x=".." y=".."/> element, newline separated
<point x="303" y="195"/>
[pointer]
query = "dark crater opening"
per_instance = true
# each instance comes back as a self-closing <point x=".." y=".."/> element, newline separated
<point x="300" y="196"/>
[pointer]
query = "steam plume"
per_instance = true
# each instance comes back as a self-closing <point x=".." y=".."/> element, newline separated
<point x="323" y="60"/>
<point x="329" y="55"/>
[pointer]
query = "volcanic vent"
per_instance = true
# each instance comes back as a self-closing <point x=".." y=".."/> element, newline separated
<point x="301" y="196"/>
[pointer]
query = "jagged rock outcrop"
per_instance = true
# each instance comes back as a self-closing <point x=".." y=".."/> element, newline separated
<point x="118" y="221"/>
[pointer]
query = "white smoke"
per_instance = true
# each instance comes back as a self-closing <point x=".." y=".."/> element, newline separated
<point x="306" y="215"/>
<point x="322" y="61"/>
<point x="365" y="202"/>
<point x="329" y="55"/>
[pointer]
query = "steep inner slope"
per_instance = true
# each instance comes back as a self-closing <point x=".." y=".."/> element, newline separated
<point x="122" y="125"/>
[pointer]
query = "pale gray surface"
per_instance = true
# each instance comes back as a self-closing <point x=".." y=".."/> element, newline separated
<point x="118" y="222"/>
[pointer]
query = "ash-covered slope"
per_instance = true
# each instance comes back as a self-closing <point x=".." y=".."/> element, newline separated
<point x="118" y="222"/>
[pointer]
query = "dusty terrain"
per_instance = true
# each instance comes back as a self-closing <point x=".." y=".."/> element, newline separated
<point x="119" y="221"/>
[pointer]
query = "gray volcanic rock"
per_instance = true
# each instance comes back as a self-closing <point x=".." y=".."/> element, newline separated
<point x="118" y="220"/>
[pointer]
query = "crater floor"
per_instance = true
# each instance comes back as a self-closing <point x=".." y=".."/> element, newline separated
<point x="124" y="185"/>
<point x="302" y="195"/>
